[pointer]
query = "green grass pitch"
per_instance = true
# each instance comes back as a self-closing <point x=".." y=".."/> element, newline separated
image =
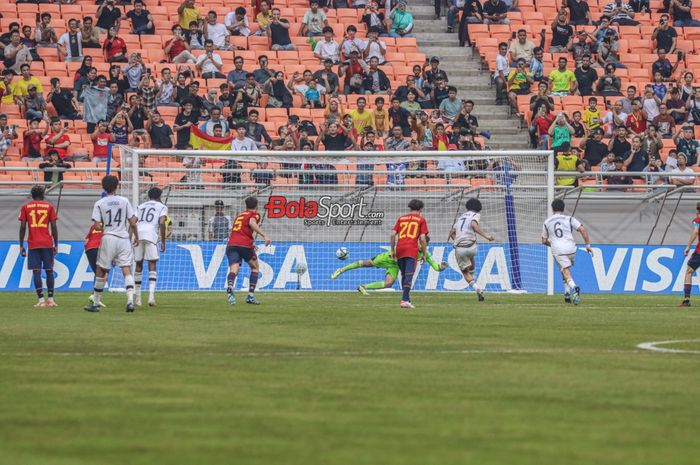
<point x="323" y="378"/>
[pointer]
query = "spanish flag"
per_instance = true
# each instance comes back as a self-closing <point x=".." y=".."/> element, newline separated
<point x="200" y="140"/>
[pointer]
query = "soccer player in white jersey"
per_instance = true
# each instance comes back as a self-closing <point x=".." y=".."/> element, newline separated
<point x="464" y="234"/>
<point x="558" y="235"/>
<point x="151" y="216"/>
<point x="115" y="216"/>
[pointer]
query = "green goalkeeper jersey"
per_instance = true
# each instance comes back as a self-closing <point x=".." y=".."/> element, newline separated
<point x="384" y="260"/>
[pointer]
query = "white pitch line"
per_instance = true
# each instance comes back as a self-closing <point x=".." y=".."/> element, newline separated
<point x="310" y="354"/>
<point x="653" y="346"/>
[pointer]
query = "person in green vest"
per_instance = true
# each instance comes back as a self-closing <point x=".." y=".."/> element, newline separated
<point x="560" y="132"/>
<point x="566" y="160"/>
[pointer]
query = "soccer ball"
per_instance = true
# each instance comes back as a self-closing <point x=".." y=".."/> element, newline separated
<point x="342" y="253"/>
<point x="300" y="268"/>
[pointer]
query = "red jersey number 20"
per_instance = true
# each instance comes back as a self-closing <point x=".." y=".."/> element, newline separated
<point x="408" y="229"/>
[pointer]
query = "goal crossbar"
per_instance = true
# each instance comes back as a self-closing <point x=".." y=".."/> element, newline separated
<point x="516" y="200"/>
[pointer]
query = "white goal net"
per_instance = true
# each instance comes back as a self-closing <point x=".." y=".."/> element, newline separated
<point x="313" y="203"/>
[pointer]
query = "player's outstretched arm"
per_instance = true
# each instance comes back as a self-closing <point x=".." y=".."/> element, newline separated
<point x="163" y="233"/>
<point x="255" y="227"/>
<point x="453" y="233"/>
<point x="133" y="230"/>
<point x="693" y="236"/>
<point x="431" y="261"/>
<point x="586" y="238"/>
<point x="423" y="243"/>
<point x="545" y="236"/>
<point x="22" y="233"/>
<point x="392" y="244"/>
<point x="477" y="230"/>
<point x="54" y="234"/>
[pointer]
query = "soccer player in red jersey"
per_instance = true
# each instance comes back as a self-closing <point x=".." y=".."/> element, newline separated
<point x="694" y="262"/>
<point x="92" y="246"/>
<point x="241" y="246"/>
<point x="39" y="216"/>
<point x="412" y="232"/>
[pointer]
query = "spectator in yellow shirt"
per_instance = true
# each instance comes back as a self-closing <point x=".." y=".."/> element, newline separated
<point x="9" y="88"/>
<point x="562" y="81"/>
<point x="361" y="118"/>
<point x="263" y="18"/>
<point x="22" y="86"/>
<point x="380" y="118"/>
<point x="591" y="116"/>
<point x="188" y="12"/>
<point x="518" y="82"/>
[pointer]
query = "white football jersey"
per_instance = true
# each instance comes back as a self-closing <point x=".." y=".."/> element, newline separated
<point x="559" y="229"/>
<point x="114" y="211"/>
<point x="149" y="214"/>
<point x="465" y="235"/>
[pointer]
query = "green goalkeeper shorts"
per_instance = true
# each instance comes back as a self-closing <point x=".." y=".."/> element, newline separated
<point x="385" y="261"/>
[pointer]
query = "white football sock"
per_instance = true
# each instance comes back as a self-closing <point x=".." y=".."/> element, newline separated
<point x="97" y="294"/>
<point x="129" y="284"/>
<point x="475" y="286"/>
<point x="152" y="279"/>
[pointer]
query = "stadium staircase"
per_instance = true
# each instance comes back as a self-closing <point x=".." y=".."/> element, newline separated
<point x="465" y="72"/>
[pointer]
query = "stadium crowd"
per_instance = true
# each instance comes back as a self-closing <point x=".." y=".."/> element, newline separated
<point x="610" y="91"/>
<point x="343" y="94"/>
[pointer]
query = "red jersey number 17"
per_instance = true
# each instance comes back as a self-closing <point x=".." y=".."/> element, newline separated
<point x="38" y="218"/>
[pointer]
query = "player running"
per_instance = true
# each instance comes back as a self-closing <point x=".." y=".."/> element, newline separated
<point x="152" y="216"/>
<point x="464" y="234"/>
<point x="39" y="216"/>
<point x="694" y="261"/>
<point x="558" y="234"/>
<point x="241" y="246"/>
<point x="115" y="216"/>
<point x="384" y="260"/>
<point x="92" y="244"/>
<point x="412" y="232"/>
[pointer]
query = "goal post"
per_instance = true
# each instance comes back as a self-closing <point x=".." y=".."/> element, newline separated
<point x="313" y="203"/>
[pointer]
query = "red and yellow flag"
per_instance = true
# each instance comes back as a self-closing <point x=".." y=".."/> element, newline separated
<point x="200" y="140"/>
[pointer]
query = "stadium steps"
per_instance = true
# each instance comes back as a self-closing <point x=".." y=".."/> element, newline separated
<point x="465" y="72"/>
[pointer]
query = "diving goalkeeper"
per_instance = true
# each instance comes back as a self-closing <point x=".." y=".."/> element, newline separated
<point x="384" y="260"/>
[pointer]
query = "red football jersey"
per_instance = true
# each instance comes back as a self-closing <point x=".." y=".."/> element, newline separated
<point x="696" y="224"/>
<point x="409" y="228"/>
<point x="241" y="234"/>
<point x="93" y="238"/>
<point x="38" y="215"/>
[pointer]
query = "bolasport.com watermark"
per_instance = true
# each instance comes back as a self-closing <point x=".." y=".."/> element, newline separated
<point x="324" y="212"/>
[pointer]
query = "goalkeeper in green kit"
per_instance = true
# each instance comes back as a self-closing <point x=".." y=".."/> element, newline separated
<point x="384" y="260"/>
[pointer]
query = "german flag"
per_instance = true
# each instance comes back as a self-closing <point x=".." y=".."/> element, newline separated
<point x="200" y="140"/>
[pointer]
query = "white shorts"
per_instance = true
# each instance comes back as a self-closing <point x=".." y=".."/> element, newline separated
<point x="565" y="261"/>
<point x="146" y="250"/>
<point x="114" y="249"/>
<point x="465" y="257"/>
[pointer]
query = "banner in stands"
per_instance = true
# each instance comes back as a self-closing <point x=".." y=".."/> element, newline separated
<point x="203" y="266"/>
